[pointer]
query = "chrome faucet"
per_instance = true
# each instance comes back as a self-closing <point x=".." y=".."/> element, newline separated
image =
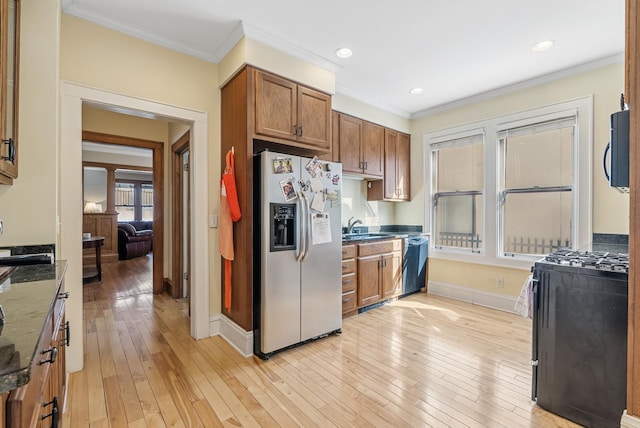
<point x="350" y="224"/>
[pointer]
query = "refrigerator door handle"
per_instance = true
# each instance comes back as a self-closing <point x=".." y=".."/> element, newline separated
<point x="302" y="229"/>
<point x="307" y="222"/>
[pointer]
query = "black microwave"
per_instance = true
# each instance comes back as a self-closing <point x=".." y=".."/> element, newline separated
<point x="616" y="170"/>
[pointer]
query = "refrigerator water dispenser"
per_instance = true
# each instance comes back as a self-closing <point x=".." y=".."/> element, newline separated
<point x="283" y="227"/>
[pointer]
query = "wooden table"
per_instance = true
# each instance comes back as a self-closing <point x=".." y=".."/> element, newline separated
<point x="93" y="273"/>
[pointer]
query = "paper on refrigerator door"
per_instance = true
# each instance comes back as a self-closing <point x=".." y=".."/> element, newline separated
<point x="317" y="203"/>
<point x="320" y="228"/>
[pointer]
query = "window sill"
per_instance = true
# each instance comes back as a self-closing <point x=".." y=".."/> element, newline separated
<point x="522" y="263"/>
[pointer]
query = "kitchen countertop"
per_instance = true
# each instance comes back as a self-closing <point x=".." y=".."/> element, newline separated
<point x="382" y="232"/>
<point x="26" y="296"/>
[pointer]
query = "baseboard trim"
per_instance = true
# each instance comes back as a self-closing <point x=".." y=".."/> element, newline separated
<point x="214" y="325"/>
<point x="629" y="421"/>
<point x="236" y="336"/>
<point x="471" y="295"/>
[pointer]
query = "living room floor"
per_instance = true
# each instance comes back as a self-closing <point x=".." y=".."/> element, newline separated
<point x="421" y="361"/>
<point x="122" y="278"/>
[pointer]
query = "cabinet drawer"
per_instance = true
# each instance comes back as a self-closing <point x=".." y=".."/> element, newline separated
<point x="380" y="247"/>
<point x="348" y="252"/>
<point x="348" y="266"/>
<point x="349" y="301"/>
<point x="24" y="405"/>
<point x="349" y="282"/>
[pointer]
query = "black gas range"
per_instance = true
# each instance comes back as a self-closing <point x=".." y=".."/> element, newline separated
<point x="599" y="260"/>
<point x="579" y="344"/>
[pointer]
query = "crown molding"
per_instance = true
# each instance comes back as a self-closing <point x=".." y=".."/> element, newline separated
<point x="262" y="36"/>
<point x="567" y="72"/>
<point x="89" y="14"/>
<point x="372" y="101"/>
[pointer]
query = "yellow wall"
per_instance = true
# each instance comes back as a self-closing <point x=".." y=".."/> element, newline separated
<point x="479" y="277"/>
<point x="107" y="122"/>
<point x="610" y="210"/>
<point x="28" y="208"/>
<point x="99" y="57"/>
<point x="353" y="107"/>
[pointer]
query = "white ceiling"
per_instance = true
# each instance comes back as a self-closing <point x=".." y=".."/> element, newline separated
<point x="454" y="50"/>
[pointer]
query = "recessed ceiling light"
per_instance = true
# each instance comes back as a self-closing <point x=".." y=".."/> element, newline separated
<point x="542" y="45"/>
<point x="344" y="52"/>
<point x="415" y="91"/>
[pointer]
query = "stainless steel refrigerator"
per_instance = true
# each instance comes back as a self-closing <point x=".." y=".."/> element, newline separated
<point x="297" y="275"/>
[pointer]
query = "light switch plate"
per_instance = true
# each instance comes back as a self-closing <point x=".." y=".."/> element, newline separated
<point x="213" y="221"/>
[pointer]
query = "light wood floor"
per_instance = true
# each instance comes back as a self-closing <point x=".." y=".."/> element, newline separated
<point x="422" y="361"/>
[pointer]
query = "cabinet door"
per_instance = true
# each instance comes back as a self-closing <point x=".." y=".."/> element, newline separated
<point x="373" y="149"/>
<point x="368" y="280"/>
<point x="350" y="140"/>
<point x="276" y="107"/>
<point x="403" y="167"/>
<point x="390" y="148"/>
<point x="391" y="275"/>
<point x="314" y="119"/>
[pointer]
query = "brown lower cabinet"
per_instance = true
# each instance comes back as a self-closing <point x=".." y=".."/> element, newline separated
<point x="39" y="403"/>
<point x="379" y="266"/>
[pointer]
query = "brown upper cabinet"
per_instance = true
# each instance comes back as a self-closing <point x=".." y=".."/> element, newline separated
<point x="9" y="72"/>
<point x="285" y="110"/>
<point x="396" y="183"/>
<point x="360" y="146"/>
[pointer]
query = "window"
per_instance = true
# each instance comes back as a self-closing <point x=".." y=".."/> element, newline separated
<point x="506" y="190"/>
<point x="458" y="183"/>
<point x="134" y="200"/>
<point x="536" y="187"/>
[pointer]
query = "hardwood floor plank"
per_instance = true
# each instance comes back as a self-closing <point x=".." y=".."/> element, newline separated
<point x="421" y="361"/>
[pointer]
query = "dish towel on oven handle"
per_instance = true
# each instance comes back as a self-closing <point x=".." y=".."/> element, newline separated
<point x="524" y="304"/>
<point x="229" y="213"/>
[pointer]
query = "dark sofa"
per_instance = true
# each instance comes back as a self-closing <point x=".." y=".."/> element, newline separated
<point x="133" y="242"/>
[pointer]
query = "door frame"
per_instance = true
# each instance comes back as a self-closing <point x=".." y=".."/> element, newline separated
<point x="158" y="192"/>
<point x="177" y="239"/>
<point x="69" y="197"/>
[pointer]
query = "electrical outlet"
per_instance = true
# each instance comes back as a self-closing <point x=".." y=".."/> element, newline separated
<point x="500" y="282"/>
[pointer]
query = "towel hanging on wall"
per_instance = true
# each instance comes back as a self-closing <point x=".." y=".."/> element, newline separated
<point x="229" y="213"/>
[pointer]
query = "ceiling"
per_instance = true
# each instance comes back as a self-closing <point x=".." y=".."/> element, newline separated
<point x="455" y="50"/>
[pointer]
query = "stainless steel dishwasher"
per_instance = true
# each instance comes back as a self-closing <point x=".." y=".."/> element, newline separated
<point x="414" y="263"/>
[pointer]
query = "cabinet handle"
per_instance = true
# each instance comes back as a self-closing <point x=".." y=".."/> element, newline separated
<point x="55" y="412"/>
<point x="300" y="131"/>
<point x="346" y="281"/>
<point x="11" y="151"/>
<point x="67" y="335"/>
<point x="54" y="355"/>
<point x="64" y="295"/>
<point x="295" y="129"/>
<point x="366" y="165"/>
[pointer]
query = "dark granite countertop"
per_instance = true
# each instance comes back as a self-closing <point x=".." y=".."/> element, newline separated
<point x="26" y="296"/>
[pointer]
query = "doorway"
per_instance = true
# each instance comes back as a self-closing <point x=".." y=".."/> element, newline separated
<point x="157" y="166"/>
<point x="70" y="194"/>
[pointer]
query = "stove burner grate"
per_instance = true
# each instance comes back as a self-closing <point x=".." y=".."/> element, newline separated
<point x="601" y="260"/>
